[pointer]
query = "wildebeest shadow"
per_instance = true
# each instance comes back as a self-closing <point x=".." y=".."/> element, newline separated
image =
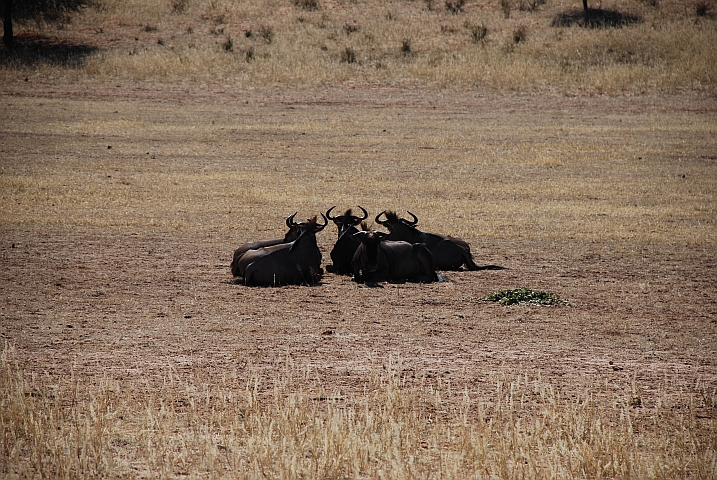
<point x="595" y="18"/>
<point x="34" y="49"/>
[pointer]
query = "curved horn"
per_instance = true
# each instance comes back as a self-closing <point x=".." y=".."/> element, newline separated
<point x="415" y="219"/>
<point x="365" y="213"/>
<point x="379" y="221"/>
<point x="328" y="213"/>
<point x="290" y="220"/>
<point x="321" y="227"/>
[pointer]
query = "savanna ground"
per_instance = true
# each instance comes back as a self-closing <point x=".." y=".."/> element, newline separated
<point x="129" y="352"/>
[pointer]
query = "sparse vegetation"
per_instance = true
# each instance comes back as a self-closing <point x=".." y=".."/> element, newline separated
<point x="524" y="296"/>
<point x="669" y="50"/>
<point x="138" y="358"/>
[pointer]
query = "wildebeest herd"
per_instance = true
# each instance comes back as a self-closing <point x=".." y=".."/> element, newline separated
<point x="404" y="253"/>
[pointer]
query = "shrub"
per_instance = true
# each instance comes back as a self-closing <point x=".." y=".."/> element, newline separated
<point x="702" y="9"/>
<point x="348" y="55"/>
<point x="351" y="27"/>
<point x="406" y="47"/>
<point x="530" y="5"/>
<point x="505" y="5"/>
<point x="478" y="33"/>
<point x="524" y="296"/>
<point x="455" y="6"/>
<point x="267" y="33"/>
<point x="519" y="34"/>
<point x="228" y="44"/>
<point x="179" y="6"/>
<point x="307" y="4"/>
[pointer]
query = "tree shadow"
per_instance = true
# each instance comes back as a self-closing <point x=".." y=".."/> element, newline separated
<point x="595" y="18"/>
<point x="35" y="49"/>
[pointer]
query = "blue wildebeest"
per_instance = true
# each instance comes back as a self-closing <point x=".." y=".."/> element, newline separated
<point x="378" y="259"/>
<point x="449" y="253"/>
<point x="293" y="263"/>
<point x="343" y="251"/>
<point x="291" y="235"/>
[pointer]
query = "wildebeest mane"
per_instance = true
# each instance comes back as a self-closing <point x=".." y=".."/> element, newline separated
<point x="391" y="216"/>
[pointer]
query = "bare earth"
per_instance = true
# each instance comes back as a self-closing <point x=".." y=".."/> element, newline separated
<point x="135" y="285"/>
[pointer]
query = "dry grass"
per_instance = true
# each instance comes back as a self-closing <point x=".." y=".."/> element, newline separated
<point x="274" y="42"/>
<point x="534" y="174"/>
<point x="238" y="428"/>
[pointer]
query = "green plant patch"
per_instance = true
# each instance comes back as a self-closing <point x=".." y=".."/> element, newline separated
<point x="523" y="295"/>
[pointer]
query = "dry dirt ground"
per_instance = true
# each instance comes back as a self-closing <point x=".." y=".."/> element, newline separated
<point x="136" y="286"/>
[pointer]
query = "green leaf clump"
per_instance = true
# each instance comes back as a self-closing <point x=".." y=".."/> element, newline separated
<point x="523" y="296"/>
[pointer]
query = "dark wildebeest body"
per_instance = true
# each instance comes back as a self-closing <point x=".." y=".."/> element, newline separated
<point x="293" y="263"/>
<point x="343" y="251"/>
<point x="449" y="253"/>
<point x="378" y="259"/>
<point x="291" y="235"/>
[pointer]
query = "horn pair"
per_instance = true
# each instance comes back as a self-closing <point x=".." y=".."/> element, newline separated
<point x="365" y="214"/>
<point x="291" y="224"/>
<point x="384" y="222"/>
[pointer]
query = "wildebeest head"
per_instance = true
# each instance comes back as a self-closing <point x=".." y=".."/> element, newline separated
<point x="347" y="220"/>
<point x="294" y="229"/>
<point x="313" y="225"/>
<point x="400" y="228"/>
<point x="370" y="240"/>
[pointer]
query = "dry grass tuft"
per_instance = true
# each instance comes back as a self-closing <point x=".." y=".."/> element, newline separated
<point x="398" y="428"/>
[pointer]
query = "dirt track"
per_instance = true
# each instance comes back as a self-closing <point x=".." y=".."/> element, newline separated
<point x="138" y="301"/>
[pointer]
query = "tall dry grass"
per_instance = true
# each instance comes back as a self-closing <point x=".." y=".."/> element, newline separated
<point x="663" y="47"/>
<point x="397" y="428"/>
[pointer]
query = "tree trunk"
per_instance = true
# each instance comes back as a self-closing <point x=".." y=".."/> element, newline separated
<point x="7" y="37"/>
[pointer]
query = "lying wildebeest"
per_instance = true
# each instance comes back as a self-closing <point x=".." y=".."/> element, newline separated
<point x="290" y="236"/>
<point x="292" y="263"/>
<point x="449" y="253"/>
<point x="378" y="259"/>
<point x="346" y="245"/>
